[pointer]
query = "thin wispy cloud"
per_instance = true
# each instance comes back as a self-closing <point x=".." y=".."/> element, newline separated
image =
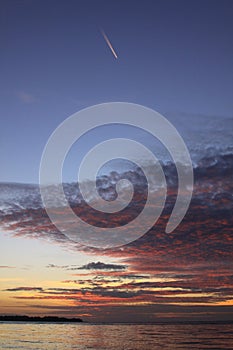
<point x="26" y="97"/>
<point x="24" y="289"/>
<point x="54" y="266"/>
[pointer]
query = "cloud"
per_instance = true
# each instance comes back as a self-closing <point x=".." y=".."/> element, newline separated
<point x="57" y="266"/>
<point x="25" y="97"/>
<point x="191" y="266"/>
<point x="24" y="289"/>
<point x="6" y="267"/>
<point x="102" y="266"/>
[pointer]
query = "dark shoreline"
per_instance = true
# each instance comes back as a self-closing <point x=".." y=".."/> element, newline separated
<point x="50" y="319"/>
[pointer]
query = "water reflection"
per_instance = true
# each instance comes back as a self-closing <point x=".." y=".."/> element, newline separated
<point x="115" y="336"/>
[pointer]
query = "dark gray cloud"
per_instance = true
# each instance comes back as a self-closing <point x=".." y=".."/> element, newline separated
<point x="102" y="266"/>
<point x="90" y="266"/>
<point x="23" y="289"/>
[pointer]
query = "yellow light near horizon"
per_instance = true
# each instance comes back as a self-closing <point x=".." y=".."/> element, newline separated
<point x="228" y="302"/>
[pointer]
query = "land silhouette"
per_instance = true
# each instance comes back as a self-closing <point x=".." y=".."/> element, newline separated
<point x="52" y="319"/>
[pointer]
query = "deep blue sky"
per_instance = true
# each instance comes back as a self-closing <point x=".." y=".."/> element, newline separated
<point x="174" y="56"/>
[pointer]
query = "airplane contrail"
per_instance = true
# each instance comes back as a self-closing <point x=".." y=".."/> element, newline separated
<point x="109" y="44"/>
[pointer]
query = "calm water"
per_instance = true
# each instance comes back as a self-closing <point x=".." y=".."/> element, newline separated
<point x="114" y="337"/>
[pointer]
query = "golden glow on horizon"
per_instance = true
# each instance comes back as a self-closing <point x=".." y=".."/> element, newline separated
<point x="228" y="302"/>
<point x="55" y="289"/>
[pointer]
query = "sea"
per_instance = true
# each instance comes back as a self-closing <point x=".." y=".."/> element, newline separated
<point x="115" y="336"/>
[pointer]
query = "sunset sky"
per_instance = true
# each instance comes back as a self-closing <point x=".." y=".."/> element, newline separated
<point x="173" y="56"/>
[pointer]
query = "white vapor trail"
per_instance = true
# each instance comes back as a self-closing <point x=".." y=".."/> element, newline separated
<point x="109" y="44"/>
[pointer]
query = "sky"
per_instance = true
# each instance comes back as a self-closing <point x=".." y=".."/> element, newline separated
<point x="174" y="57"/>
